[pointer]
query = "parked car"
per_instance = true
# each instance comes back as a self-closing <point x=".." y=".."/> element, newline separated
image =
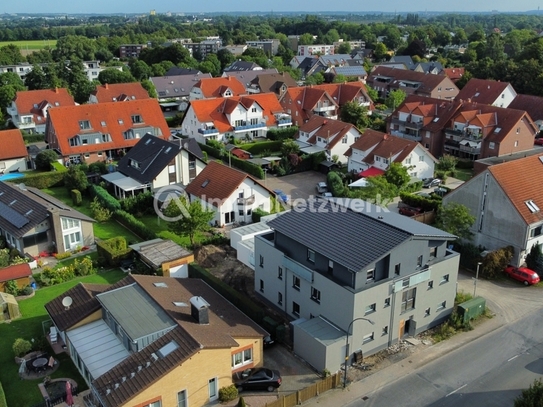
<point x="524" y="274"/>
<point x="539" y="141"/>
<point x="440" y="191"/>
<point x="409" y="210"/>
<point x="431" y="182"/>
<point x="257" y="379"/>
<point x="268" y="341"/>
<point x="423" y="194"/>
<point x="327" y="195"/>
<point x="281" y="195"/>
<point x="322" y="187"/>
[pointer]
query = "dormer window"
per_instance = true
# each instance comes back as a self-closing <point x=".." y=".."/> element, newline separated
<point x="120" y="121"/>
<point x="136" y="119"/>
<point x="84" y="124"/>
<point x="134" y="164"/>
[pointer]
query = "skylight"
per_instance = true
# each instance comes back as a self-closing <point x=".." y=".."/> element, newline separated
<point x="532" y="206"/>
<point x="167" y="349"/>
<point x="497" y="130"/>
<point x="161" y="284"/>
<point x="205" y="183"/>
<point x="180" y="304"/>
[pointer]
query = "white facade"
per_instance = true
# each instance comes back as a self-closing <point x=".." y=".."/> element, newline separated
<point x="345" y="140"/>
<point x="27" y="121"/>
<point x="13" y="164"/>
<point x="321" y="49"/>
<point x="505" y="98"/>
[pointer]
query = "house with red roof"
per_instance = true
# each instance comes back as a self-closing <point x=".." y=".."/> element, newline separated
<point x="232" y="194"/>
<point x="487" y="92"/>
<point x="454" y="74"/>
<point x="323" y="100"/>
<point x="224" y="87"/>
<point x="374" y="151"/>
<point x="507" y="202"/>
<point x="532" y="105"/>
<point x="239" y="117"/>
<point x="13" y="154"/>
<point x="20" y="273"/>
<point x="334" y="137"/>
<point x="101" y="131"/>
<point x="29" y="109"/>
<point x="118" y="92"/>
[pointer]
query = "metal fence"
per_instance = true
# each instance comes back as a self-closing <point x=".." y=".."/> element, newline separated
<point x="50" y="402"/>
<point x="301" y="396"/>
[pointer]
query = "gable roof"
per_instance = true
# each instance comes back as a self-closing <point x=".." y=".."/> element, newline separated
<point x="215" y="87"/>
<point x="107" y="118"/>
<point x="13" y="145"/>
<point x="352" y="70"/>
<point x="217" y="182"/>
<point x="176" y="85"/>
<point x="120" y="92"/>
<point x="454" y="74"/>
<point x="530" y="104"/>
<point x="35" y="101"/>
<point x="240" y="65"/>
<point x="427" y="82"/>
<point x="176" y="71"/>
<point x="326" y="129"/>
<point x="15" y="272"/>
<point x="483" y="91"/>
<point x="272" y="82"/>
<point x="516" y="178"/>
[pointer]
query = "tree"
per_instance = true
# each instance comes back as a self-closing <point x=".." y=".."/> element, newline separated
<point x="98" y="212"/>
<point x="455" y="219"/>
<point x="75" y="178"/>
<point x="36" y="78"/>
<point x="139" y="69"/>
<point x="378" y="191"/>
<point x="534" y="259"/>
<point x="447" y="163"/>
<point x="305" y="39"/>
<point x="225" y="57"/>
<point x="335" y="184"/>
<point x="532" y="396"/>
<point x="353" y="113"/>
<point x="315" y="79"/>
<point x="289" y="147"/>
<point x="150" y="88"/>
<point x="194" y="218"/>
<point x="112" y="75"/>
<point x="10" y="84"/>
<point x="395" y="98"/>
<point x="397" y="175"/>
<point x="44" y="159"/>
<point x="344" y="48"/>
<point x="380" y="52"/>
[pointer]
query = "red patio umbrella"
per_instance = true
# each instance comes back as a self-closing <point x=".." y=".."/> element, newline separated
<point x="69" y="398"/>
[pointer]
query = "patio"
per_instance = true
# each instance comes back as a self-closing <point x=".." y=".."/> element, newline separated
<point x="36" y="365"/>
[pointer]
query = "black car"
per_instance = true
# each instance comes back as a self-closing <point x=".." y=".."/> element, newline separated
<point x="257" y="379"/>
<point x="268" y="341"/>
<point x="431" y="182"/>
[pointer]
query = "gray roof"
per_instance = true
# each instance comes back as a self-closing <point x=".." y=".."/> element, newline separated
<point x="162" y="252"/>
<point x="239" y="65"/>
<point x="246" y="77"/>
<point x="136" y="311"/>
<point x="176" y="86"/>
<point x="323" y="331"/>
<point x="350" y="70"/>
<point x="176" y="71"/>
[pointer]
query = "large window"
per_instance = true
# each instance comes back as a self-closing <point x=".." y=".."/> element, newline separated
<point x="71" y="233"/>
<point x="296" y="308"/>
<point x="242" y="358"/>
<point x="182" y="399"/>
<point x="315" y="295"/>
<point x="408" y="299"/>
<point x="296" y="282"/>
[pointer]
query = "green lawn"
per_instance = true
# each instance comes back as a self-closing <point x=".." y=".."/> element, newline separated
<point x="104" y="230"/>
<point x="24" y="393"/>
<point x="463" y="174"/>
<point x="31" y="45"/>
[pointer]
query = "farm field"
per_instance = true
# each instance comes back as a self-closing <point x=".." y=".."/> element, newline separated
<point x="29" y="46"/>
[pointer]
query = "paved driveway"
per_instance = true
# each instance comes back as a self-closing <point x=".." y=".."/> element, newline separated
<point x="296" y="186"/>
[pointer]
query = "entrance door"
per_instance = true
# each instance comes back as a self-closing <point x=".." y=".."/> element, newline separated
<point x="410" y="327"/>
<point x="227" y="217"/>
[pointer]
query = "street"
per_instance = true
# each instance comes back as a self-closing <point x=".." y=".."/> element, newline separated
<point x="491" y="371"/>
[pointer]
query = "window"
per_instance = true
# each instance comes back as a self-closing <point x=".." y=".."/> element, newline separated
<point x="445" y="279"/>
<point x="315" y="295"/>
<point x="430" y="284"/>
<point x="213" y="392"/>
<point x="427" y="312"/>
<point x="295" y="309"/>
<point x="370" y="308"/>
<point x="536" y="231"/>
<point x="136" y="119"/>
<point x="441" y="305"/>
<point x="242" y="358"/>
<point x="68" y="223"/>
<point x="368" y="338"/>
<point x="387" y="302"/>
<point x="311" y="255"/>
<point x="84" y="124"/>
<point x="182" y="399"/>
<point x="405" y="283"/>
<point x="370" y="275"/>
<point x="157" y="403"/>
<point x="532" y="206"/>
<point x="253" y="110"/>
<point x="433" y="252"/>
<point x="421" y="158"/>
<point x="518" y="131"/>
<point x="344" y="140"/>
<point x="120" y="121"/>
<point x="408" y="299"/>
<point x="330" y="266"/>
<point x="261" y="261"/>
<point x="296" y="282"/>
<point x="280" y="298"/>
<point x="397" y="269"/>
<point x="419" y="261"/>
<point x="516" y="143"/>
<point x="280" y="273"/>
<point x="491" y="145"/>
<point x="385" y="330"/>
<point x="261" y="286"/>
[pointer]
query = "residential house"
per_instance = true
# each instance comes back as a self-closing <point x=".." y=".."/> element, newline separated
<point x="335" y="60"/>
<point x="211" y="45"/>
<point x="131" y="50"/>
<point x="454" y="74"/>
<point x="531" y="105"/>
<point x="297" y="60"/>
<point x="240" y="66"/>
<point x="488" y="92"/>
<point x="174" y="91"/>
<point x="326" y="268"/>
<point x="351" y="71"/>
<point x="20" y="273"/>
<point x="236" y="50"/>
<point x="207" y="88"/>
<point x="310" y="66"/>
<point x="155" y="341"/>
<point x="154" y="163"/>
<point x="378" y="150"/>
<point x="32" y="221"/>
<point x="334" y="137"/>
<point x="30" y="108"/>
<point x="406" y="60"/>
<point x="92" y="69"/>
<point x="269" y="46"/>
<point x="118" y="92"/>
<point x="100" y="131"/>
<point x="13" y="154"/>
<point x="505" y="200"/>
<point x="237" y="117"/>
<point x="176" y="71"/>
<point x="277" y="83"/>
<point x="247" y="77"/>
<point x="323" y="100"/>
<point x="321" y="49"/>
<point x="385" y="79"/>
<point x="353" y="43"/>
<point x="232" y="194"/>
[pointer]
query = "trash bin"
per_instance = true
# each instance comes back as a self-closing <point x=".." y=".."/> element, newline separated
<point x="33" y="285"/>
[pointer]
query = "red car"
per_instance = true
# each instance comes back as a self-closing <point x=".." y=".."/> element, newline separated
<point x="409" y="211"/>
<point x="523" y="274"/>
<point x="539" y="141"/>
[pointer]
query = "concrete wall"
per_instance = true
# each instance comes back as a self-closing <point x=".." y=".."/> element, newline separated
<point x="13" y="164"/>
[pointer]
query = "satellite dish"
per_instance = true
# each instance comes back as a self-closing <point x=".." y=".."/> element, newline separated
<point x="67" y="301"/>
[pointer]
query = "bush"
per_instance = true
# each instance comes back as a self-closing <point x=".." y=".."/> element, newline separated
<point x="335" y="184"/>
<point x="21" y="347"/>
<point x="26" y="290"/>
<point x="139" y="204"/>
<point x="417" y="201"/>
<point x="33" y="138"/>
<point x="105" y="198"/>
<point x="263" y="146"/>
<point x="257" y="215"/>
<point x="248" y="167"/>
<point x="98" y="167"/>
<point x="136" y="226"/>
<point x="76" y="197"/>
<point x="62" y="256"/>
<point x="98" y="212"/>
<point x="54" y="276"/>
<point x="10" y="287"/>
<point x="113" y="250"/>
<point x="42" y="180"/>
<point x="83" y="267"/>
<point x="241" y="403"/>
<point x="464" y="164"/>
<point x="228" y="393"/>
<point x="44" y="159"/>
<point x="282" y="134"/>
<point x="442" y="175"/>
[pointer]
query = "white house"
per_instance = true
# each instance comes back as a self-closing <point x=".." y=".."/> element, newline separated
<point x="230" y="193"/>
<point x="488" y="92"/>
<point x="13" y="153"/>
<point x="377" y="150"/>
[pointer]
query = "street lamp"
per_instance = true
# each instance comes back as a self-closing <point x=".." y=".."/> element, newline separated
<point x="347" y="345"/>
<point x="476" y="278"/>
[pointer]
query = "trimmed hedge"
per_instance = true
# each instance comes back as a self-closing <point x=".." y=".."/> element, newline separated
<point x="243" y="165"/>
<point x="247" y="306"/>
<point x="257" y="215"/>
<point x="113" y="250"/>
<point x="417" y="201"/>
<point x="105" y="198"/>
<point x="41" y="180"/>
<point x="259" y="148"/>
<point x="33" y="138"/>
<point x="76" y="197"/>
<point x="282" y="134"/>
<point x="133" y="224"/>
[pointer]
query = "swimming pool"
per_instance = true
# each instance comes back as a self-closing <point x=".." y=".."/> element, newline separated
<point x="9" y="176"/>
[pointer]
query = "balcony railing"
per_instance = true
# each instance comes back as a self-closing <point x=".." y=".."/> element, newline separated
<point x="407" y="123"/>
<point x="26" y="125"/>
<point x="249" y="126"/>
<point x="284" y="121"/>
<point x="324" y="108"/>
<point x="401" y="134"/>
<point x="246" y="201"/>
<point x="471" y="150"/>
<point x="208" y="131"/>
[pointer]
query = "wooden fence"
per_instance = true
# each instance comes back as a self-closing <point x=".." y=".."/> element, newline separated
<point x="301" y="396"/>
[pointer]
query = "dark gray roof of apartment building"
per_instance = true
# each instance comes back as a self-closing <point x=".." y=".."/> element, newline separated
<point x="176" y="71"/>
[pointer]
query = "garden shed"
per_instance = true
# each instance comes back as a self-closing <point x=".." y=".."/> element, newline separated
<point x="9" y="307"/>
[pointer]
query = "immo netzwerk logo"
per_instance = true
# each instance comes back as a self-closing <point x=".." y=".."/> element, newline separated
<point x="165" y="196"/>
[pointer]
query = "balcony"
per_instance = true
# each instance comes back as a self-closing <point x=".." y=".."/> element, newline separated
<point x="470" y="149"/>
<point x="26" y="125"/>
<point x="324" y="108"/>
<point x="208" y="131"/>
<point x="408" y="136"/>
<point x="407" y="123"/>
<point x="249" y="126"/>
<point x="284" y="120"/>
<point x="246" y="201"/>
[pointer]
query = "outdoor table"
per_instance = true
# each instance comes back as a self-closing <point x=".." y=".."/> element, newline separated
<point x="40" y="362"/>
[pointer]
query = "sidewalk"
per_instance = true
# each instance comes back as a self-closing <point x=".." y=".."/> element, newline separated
<point x="383" y="377"/>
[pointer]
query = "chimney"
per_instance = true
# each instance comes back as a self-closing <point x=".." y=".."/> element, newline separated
<point x="56" y="89"/>
<point x="199" y="310"/>
<point x="106" y="86"/>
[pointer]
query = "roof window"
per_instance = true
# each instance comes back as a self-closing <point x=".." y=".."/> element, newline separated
<point x="161" y="285"/>
<point x="532" y="206"/>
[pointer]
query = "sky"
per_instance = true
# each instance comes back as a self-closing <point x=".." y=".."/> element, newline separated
<point x="306" y="6"/>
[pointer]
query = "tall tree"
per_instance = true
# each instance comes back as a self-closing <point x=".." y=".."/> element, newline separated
<point x="193" y="217"/>
<point x="455" y="219"/>
<point x="111" y="75"/>
<point x="353" y="113"/>
<point x="397" y="175"/>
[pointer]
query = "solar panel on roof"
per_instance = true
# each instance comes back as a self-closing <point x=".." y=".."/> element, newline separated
<point x="12" y="216"/>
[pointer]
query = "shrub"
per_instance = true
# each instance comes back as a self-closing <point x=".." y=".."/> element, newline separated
<point x="248" y="167"/>
<point x="257" y="215"/>
<point x="335" y="184"/>
<point x="62" y="256"/>
<point x="76" y="197"/>
<point x="228" y="393"/>
<point x="21" y="347"/>
<point x="139" y="204"/>
<point x="282" y="134"/>
<point x="98" y="167"/>
<point x="135" y="225"/>
<point x="10" y="287"/>
<point x="33" y="138"/>
<point x="113" y="250"/>
<point x="44" y="159"/>
<point x="42" y="180"/>
<point x="263" y="146"/>
<point x="98" y="212"/>
<point x="241" y="403"/>
<point x="442" y="175"/>
<point x="83" y="267"/>
<point x="26" y="290"/>
<point x="4" y="257"/>
<point x="417" y="201"/>
<point x="76" y="178"/>
<point x="105" y="198"/>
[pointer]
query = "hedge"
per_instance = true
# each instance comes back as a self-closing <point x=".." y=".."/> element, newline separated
<point x="42" y="180"/>
<point x="243" y="165"/>
<point x="282" y="134"/>
<point x="133" y="224"/>
<point x="252" y="310"/>
<point x="76" y="197"/>
<point x="3" y="402"/>
<point x="257" y="214"/>
<point x="33" y="138"/>
<point x="105" y="198"/>
<point x="259" y="148"/>
<point x="427" y="204"/>
<point x="113" y="250"/>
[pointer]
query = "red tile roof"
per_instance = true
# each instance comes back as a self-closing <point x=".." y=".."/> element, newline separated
<point x="454" y="74"/>
<point x="518" y="179"/>
<point x="328" y="129"/>
<point x="483" y="91"/>
<point x="106" y="118"/>
<point x="13" y="145"/>
<point x="531" y="104"/>
<point x="15" y="272"/>
<point x="120" y="92"/>
<point x="35" y="102"/>
<point x="215" y="87"/>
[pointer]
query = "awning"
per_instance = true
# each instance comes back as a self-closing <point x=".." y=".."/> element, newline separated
<point x="359" y="183"/>
<point x="123" y="182"/>
<point x="371" y="172"/>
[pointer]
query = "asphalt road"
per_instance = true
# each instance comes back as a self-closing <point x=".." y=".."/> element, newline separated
<point x="491" y="371"/>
